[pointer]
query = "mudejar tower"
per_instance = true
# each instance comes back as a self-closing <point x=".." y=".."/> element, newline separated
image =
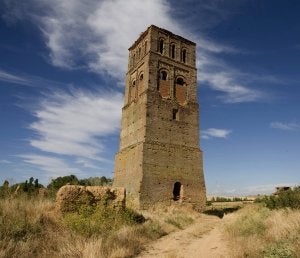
<point x="159" y="160"/>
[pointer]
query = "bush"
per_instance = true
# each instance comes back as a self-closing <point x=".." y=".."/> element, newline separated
<point x="286" y="199"/>
<point x="279" y="250"/>
<point x="101" y="219"/>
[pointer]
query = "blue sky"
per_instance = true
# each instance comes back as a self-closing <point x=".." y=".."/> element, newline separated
<point x="62" y="69"/>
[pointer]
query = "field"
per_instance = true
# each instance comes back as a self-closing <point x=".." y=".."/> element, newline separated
<point x="30" y="227"/>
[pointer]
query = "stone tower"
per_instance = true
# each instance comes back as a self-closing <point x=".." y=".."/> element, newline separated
<point x="159" y="160"/>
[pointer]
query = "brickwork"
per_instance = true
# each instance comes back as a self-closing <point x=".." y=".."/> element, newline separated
<point x="69" y="198"/>
<point x="159" y="160"/>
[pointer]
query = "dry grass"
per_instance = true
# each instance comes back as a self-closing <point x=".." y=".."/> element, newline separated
<point x="260" y="232"/>
<point x="31" y="228"/>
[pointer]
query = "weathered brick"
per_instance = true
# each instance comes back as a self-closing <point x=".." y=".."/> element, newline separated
<point x="159" y="139"/>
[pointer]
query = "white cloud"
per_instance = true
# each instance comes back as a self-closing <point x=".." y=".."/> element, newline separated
<point x="73" y="124"/>
<point x="95" y="34"/>
<point x="215" y="133"/>
<point x="285" y="126"/>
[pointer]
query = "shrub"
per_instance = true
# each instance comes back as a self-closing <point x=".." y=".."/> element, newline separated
<point x="279" y="250"/>
<point x="286" y="199"/>
<point x="100" y="219"/>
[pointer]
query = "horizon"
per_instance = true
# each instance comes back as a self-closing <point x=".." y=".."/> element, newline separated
<point x="62" y="71"/>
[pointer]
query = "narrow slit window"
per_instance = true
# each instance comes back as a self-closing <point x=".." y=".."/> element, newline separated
<point x="161" y="46"/>
<point x="173" y="51"/>
<point x="175" y="114"/>
<point x="146" y="47"/>
<point x="184" y="55"/>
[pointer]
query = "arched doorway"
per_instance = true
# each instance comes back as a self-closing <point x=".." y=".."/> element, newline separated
<point x="176" y="191"/>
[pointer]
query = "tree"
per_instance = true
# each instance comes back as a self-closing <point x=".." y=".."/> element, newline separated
<point x="61" y="181"/>
<point x="25" y="188"/>
<point x="36" y="183"/>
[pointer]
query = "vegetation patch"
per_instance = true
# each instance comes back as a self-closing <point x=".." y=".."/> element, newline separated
<point x="285" y="199"/>
<point x="263" y="232"/>
<point x="179" y="221"/>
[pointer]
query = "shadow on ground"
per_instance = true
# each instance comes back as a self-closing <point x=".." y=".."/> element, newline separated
<point x="221" y="212"/>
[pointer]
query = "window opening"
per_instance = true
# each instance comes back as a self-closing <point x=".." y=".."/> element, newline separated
<point x="133" y="91"/>
<point x="172" y="51"/>
<point x="184" y="55"/>
<point x="140" y="50"/>
<point x="180" y="81"/>
<point x="175" y="114"/>
<point x="146" y="47"/>
<point x="161" y="46"/>
<point x="163" y="75"/>
<point x="176" y="191"/>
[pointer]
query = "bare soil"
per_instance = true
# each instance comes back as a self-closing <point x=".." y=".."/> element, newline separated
<point x="203" y="239"/>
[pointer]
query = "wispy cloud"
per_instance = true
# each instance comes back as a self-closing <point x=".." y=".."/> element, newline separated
<point x="28" y="80"/>
<point x="4" y="161"/>
<point x="215" y="133"/>
<point x="12" y="78"/>
<point x="53" y="167"/>
<point x="285" y="126"/>
<point x="95" y="35"/>
<point x="73" y="123"/>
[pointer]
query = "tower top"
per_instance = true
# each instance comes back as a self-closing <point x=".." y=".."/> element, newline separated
<point x="168" y="33"/>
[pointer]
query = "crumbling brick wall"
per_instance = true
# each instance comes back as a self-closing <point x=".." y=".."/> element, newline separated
<point x="70" y="198"/>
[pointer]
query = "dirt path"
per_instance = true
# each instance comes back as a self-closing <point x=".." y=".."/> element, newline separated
<point x="202" y="239"/>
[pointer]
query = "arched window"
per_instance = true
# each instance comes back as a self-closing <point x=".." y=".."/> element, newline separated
<point x="180" y="81"/>
<point x="161" y="46"/>
<point x="163" y="85"/>
<point x="163" y="75"/>
<point x="177" y="191"/>
<point x="183" y="55"/>
<point x="133" y="59"/>
<point x="140" y="52"/>
<point x="180" y="91"/>
<point x="172" y="50"/>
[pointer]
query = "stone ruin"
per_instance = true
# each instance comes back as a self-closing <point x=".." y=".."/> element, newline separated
<point x="159" y="160"/>
<point x="70" y="197"/>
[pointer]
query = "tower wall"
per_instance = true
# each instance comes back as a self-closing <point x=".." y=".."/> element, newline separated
<point x="159" y="160"/>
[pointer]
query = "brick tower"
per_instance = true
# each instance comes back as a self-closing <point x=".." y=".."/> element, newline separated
<point x="159" y="160"/>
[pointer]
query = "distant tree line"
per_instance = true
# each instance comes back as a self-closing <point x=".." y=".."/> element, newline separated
<point x="224" y="199"/>
<point x="31" y="186"/>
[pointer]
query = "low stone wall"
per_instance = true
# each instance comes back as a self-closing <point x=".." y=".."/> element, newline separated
<point x="70" y="197"/>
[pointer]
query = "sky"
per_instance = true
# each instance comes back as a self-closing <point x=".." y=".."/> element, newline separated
<point x="62" y="80"/>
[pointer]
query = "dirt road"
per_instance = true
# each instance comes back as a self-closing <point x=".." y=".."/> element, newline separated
<point x="203" y="239"/>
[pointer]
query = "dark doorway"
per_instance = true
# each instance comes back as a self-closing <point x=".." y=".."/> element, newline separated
<point x="176" y="191"/>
